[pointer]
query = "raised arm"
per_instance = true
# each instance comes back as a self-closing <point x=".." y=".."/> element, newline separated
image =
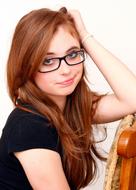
<point x="120" y="78"/>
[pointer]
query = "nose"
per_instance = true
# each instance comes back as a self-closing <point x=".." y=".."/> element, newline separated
<point x="64" y="67"/>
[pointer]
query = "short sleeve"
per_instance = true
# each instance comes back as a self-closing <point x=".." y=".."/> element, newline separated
<point x="30" y="132"/>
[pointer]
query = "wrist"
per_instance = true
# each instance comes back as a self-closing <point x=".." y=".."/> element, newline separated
<point x="85" y="37"/>
<point x="83" y="33"/>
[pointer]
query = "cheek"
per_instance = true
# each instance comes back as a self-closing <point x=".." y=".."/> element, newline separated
<point x="79" y="68"/>
<point x="42" y="81"/>
<point x="78" y="72"/>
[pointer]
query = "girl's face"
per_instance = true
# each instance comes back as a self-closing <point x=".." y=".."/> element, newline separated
<point x="62" y="81"/>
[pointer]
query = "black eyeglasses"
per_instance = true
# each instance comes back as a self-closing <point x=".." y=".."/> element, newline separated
<point x="52" y="64"/>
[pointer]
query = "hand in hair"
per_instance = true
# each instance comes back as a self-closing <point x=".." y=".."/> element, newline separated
<point x="80" y="26"/>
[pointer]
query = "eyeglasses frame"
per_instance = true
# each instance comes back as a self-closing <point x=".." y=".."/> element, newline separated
<point x="64" y="58"/>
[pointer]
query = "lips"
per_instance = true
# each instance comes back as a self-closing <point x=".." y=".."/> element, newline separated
<point x="67" y="82"/>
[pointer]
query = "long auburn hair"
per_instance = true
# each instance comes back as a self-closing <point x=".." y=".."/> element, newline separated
<point x="29" y="46"/>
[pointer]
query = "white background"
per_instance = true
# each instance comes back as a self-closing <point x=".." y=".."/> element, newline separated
<point x="112" y="22"/>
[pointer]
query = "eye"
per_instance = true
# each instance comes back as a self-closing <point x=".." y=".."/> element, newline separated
<point x="72" y="55"/>
<point x="48" y="62"/>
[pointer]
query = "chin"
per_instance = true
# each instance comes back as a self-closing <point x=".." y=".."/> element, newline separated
<point x="68" y="92"/>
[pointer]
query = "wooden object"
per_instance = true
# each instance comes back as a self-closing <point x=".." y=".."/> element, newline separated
<point x="126" y="149"/>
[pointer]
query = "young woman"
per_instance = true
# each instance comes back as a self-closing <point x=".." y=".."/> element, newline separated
<point x="47" y="142"/>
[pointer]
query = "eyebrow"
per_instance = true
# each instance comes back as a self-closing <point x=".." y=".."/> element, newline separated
<point x="70" y="49"/>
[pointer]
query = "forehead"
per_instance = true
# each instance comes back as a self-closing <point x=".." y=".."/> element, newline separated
<point x="62" y="41"/>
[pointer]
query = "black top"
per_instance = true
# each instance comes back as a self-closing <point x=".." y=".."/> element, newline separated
<point x="23" y="131"/>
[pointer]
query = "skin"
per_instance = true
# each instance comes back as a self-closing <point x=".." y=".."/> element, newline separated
<point x="62" y="82"/>
<point x="43" y="167"/>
